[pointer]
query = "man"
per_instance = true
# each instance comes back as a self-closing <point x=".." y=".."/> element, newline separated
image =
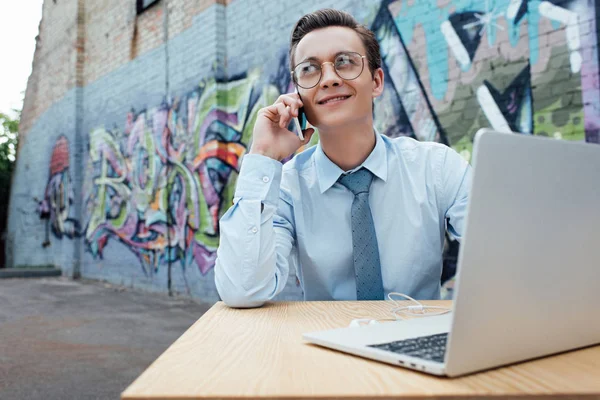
<point x="359" y="215"/>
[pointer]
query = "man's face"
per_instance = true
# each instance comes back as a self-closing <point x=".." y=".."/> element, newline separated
<point x="323" y="45"/>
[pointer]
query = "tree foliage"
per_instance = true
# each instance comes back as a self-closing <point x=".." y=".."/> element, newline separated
<point x="9" y="137"/>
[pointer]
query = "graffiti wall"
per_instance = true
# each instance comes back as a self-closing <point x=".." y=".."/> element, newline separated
<point x="157" y="183"/>
<point x="56" y="206"/>
<point x="160" y="184"/>
<point x="520" y="66"/>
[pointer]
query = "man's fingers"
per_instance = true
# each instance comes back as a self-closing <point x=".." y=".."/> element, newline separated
<point x="271" y="113"/>
<point x="292" y="100"/>
<point x="278" y="114"/>
<point x="286" y="116"/>
<point x="284" y="109"/>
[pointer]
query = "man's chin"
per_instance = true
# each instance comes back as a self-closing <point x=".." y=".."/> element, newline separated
<point x="340" y="121"/>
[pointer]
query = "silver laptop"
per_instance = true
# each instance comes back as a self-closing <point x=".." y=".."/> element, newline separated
<point x="528" y="282"/>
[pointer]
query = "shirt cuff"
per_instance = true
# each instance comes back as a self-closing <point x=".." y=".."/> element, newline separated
<point x="259" y="179"/>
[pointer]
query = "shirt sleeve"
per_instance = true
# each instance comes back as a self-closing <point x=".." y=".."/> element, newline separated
<point x="252" y="264"/>
<point x="455" y="185"/>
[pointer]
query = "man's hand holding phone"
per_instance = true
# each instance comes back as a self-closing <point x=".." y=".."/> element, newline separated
<point x="271" y="137"/>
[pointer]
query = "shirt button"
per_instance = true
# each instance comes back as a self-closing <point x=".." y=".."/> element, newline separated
<point x="265" y="179"/>
<point x="254" y="229"/>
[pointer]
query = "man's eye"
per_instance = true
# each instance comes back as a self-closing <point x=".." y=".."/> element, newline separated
<point x="308" y="69"/>
<point x="343" y="60"/>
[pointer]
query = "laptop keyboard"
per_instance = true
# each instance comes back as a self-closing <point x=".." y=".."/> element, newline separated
<point x="430" y="348"/>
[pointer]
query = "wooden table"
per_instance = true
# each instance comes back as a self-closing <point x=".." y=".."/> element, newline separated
<point x="260" y="353"/>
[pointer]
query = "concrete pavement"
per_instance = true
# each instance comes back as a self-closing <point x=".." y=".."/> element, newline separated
<point x="64" y="339"/>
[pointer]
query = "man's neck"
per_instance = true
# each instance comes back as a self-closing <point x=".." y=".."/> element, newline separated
<point x="350" y="146"/>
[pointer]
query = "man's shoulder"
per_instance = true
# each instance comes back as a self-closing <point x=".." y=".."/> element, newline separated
<point x="408" y="146"/>
<point x="300" y="162"/>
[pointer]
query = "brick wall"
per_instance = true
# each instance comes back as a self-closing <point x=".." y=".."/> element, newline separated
<point x="144" y="184"/>
<point x="53" y="73"/>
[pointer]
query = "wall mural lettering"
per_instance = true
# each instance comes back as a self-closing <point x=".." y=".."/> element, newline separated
<point x="160" y="184"/>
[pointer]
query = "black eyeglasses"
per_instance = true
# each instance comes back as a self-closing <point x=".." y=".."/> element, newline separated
<point x="347" y="66"/>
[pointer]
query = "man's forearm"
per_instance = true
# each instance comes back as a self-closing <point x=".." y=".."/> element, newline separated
<point x="247" y="270"/>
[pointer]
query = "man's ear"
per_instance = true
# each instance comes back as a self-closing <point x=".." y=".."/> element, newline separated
<point x="378" y="82"/>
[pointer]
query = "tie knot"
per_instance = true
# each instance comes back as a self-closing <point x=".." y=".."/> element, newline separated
<point x="357" y="182"/>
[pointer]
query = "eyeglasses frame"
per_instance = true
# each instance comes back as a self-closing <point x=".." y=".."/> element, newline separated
<point x="334" y="70"/>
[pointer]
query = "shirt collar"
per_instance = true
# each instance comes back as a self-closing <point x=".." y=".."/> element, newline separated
<point x="328" y="173"/>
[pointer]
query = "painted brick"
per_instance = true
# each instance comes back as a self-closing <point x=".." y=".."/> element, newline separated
<point x="117" y="87"/>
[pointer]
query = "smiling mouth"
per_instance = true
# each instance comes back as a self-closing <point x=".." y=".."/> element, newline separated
<point x="334" y="100"/>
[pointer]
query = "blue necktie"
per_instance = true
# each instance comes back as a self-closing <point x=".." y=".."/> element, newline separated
<point x="369" y="285"/>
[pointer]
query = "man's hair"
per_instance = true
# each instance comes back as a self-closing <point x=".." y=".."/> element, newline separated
<point x="330" y="17"/>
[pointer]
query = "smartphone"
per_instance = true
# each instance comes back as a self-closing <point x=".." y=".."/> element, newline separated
<point x="301" y="122"/>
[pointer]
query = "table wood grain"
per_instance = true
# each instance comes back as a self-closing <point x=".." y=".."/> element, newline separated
<point x="259" y="353"/>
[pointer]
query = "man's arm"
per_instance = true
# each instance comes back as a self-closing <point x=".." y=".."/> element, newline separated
<point x="456" y="184"/>
<point x="252" y="263"/>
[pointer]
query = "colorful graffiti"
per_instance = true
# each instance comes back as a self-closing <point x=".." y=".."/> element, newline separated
<point x="455" y="66"/>
<point x="55" y="208"/>
<point x="161" y="185"/>
<point x="515" y="65"/>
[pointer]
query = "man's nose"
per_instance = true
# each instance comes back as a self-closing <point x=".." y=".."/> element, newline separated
<point x="330" y="77"/>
